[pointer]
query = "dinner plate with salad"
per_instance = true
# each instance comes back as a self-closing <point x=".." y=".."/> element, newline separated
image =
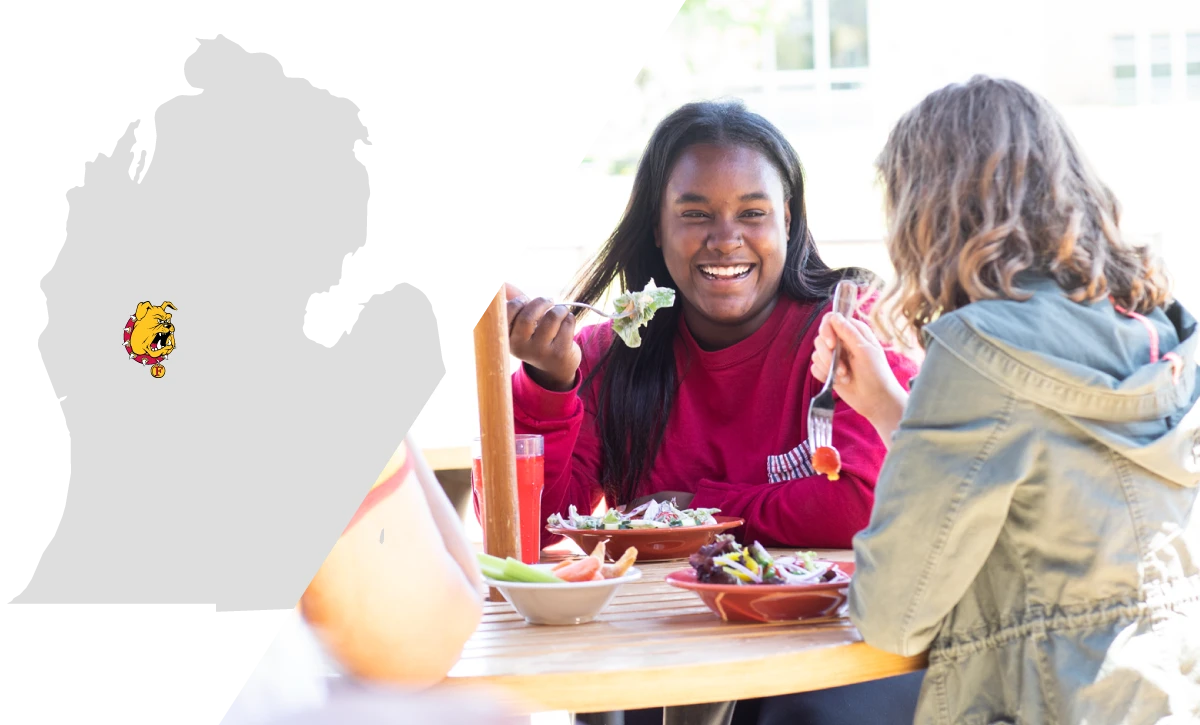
<point x="747" y="584"/>
<point x="658" y="529"/>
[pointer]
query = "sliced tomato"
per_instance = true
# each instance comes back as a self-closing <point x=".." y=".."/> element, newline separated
<point x="827" y="461"/>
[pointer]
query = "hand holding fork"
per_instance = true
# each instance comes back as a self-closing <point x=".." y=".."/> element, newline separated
<point x="851" y="361"/>
<point x="820" y="409"/>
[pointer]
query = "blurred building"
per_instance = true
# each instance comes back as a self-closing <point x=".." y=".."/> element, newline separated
<point x="835" y="75"/>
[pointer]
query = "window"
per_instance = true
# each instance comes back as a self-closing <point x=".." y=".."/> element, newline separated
<point x="1125" y="69"/>
<point x="794" y="48"/>
<point x="822" y="44"/>
<point x="1160" y="68"/>
<point x="1193" y="66"/>
<point x="848" y="33"/>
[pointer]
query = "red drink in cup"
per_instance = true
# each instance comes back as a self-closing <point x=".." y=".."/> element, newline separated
<point x="531" y="458"/>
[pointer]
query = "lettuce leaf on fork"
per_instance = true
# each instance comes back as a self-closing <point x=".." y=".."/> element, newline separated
<point x="643" y="305"/>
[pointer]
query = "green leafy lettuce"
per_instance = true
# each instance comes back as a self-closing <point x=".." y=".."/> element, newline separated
<point x="643" y="305"/>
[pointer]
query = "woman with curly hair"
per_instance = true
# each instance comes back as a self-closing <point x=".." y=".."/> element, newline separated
<point x="1035" y="523"/>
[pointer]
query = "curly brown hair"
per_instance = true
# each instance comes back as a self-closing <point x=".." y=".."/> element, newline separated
<point x="983" y="181"/>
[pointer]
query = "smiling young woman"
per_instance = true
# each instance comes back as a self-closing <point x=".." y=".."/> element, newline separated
<point x="723" y="240"/>
<point x="711" y="409"/>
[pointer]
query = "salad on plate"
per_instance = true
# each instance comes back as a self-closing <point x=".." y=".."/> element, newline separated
<point x="727" y="562"/>
<point x="650" y="515"/>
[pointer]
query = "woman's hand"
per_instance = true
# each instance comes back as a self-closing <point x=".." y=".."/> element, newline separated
<point x="683" y="499"/>
<point x="864" y="379"/>
<point x="542" y="334"/>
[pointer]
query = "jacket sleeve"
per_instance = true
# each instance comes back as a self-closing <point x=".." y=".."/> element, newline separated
<point x="942" y="497"/>
<point x="812" y="512"/>
<point x="572" y="450"/>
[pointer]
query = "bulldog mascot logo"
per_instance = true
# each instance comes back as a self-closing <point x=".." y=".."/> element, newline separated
<point x="150" y="336"/>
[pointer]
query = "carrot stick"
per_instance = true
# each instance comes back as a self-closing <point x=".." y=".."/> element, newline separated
<point x="598" y="552"/>
<point x="579" y="571"/>
<point x="612" y="571"/>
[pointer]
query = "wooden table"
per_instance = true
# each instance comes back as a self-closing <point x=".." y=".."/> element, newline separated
<point x="656" y="645"/>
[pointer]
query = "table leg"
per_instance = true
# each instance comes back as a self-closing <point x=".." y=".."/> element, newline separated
<point x="708" y="713"/>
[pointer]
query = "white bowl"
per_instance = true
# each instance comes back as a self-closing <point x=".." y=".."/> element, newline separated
<point x="566" y="603"/>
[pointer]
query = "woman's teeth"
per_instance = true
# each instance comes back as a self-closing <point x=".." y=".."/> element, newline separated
<point x="713" y="271"/>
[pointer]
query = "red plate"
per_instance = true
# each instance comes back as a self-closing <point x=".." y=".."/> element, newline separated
<point x="767" y="602"/>
<point x="677" y="542"/>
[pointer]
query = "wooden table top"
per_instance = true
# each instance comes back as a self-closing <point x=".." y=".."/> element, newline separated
<point x="656" y="645"/>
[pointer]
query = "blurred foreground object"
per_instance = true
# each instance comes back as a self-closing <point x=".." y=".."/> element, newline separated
<point x="394" y="602"/>
<point x="400" y="592"/>
<point x="292" y="684"/>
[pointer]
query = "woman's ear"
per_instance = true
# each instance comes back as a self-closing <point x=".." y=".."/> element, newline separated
<point x="657" y="236"/>
<point x="787" y="215"/>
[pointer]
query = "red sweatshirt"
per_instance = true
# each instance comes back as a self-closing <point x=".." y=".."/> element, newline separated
<point x="736" y="436"/>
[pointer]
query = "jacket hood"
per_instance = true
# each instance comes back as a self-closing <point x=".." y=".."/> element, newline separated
<point x="1094" y="365"/>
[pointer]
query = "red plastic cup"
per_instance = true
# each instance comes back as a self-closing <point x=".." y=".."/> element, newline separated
<point x="531" y="460"/>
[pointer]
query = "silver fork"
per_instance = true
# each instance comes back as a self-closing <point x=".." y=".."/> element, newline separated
<point x="598" y="311"/>
<point x="820" y="409"/>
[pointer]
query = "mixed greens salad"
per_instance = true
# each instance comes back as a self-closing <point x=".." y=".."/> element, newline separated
<point x="727" y="562"/>
<point x="651" y="515"/>
<point x="643" y="305"/>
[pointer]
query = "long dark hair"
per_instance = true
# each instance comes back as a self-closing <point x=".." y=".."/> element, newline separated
<point x="638" y="385"/>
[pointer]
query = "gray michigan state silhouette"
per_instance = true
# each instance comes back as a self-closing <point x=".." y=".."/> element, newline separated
<point x="229" y="478"/>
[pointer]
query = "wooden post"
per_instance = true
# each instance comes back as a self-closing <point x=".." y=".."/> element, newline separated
<point x="497" y="434"/>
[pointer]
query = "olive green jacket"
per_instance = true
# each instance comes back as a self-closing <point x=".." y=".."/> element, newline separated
<point x="1036" y="526"/>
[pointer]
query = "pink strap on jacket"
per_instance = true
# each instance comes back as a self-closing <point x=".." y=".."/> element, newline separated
<point x="1175" y="360"/>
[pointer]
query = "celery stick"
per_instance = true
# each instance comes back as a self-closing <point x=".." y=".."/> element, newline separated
<point x="519" y="572"/>
<point x="492" y="571"/>
<point x="489" y="559"/>
<point x="491" y="566"/>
